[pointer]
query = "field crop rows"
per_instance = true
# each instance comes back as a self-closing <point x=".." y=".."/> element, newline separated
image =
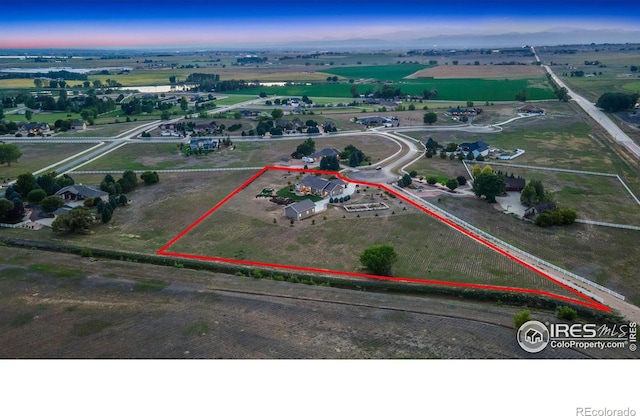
<point x="254" y="231"/>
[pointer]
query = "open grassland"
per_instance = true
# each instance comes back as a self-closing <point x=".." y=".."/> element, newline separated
<point x="155" y="214"/>
<point x="37" y="156"/>
<point x="159" y="156"/>
<point x="602" y="254"/>
<point x="252" y="229"/>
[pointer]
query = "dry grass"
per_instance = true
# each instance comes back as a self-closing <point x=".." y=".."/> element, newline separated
<point x="244" y="229"/>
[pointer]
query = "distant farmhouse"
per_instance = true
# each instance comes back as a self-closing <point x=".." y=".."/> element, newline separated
<point x="530" y="109"/>
<point x="460" y="112"/>
<point x="379" y="121"/>
<point x="81" y="192"/>
<point x="476" y="148"/>
<point x="38" y="129"/>
<point x="203" y="144"/>
<point x="314" y="185"/>
<point x="300" y="210"/>
<point x="327" y="152"/>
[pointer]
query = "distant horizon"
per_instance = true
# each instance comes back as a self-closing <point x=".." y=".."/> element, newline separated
<point x="200" y="24"/>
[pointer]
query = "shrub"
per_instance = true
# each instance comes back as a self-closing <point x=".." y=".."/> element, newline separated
<point x="86" y="252"/>
<point x="521" y="317"/>
<point x="432" y="180"/>
<point x="567" y="313"/>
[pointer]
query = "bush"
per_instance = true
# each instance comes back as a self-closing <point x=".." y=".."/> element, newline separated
<point x="520" y="318"/>
<point x="461" y="180"/>
<point x="567" y="313"/>
<point x="35" y="196"/>
<point x="86" y="252"/>
<point x="432" y="180"/>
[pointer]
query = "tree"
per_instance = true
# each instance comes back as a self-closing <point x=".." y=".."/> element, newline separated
<point x="35" y="196"/>
<point x="330" y="163"/>
<point x="405" y="181"/>
<point x="616" y="101"/>
<point x="430" y="118"/>
<point x="106" y="214"/>
<point x="432" y="180"/>
<point x="6" y="206"/>
<point x="25" y="183"/>
<point x="78" y="220"/>
<point x="130" y="177"/>
<point x="172" y="79"/>
<point x="184" y="104"/>
<point x="413" y="173"/>
<point x="28" y="114"/>
<point x="37" y="82"/>
<point x="452" y="184"/>
<point x="149" y="178"/>
<point x="277" y="113"/>
<point x="305" y="148"/>
<point x="9" y="152"/>
<point x="378" y="259"/>
<point x="522" y="95"/>
<point x="461" y="180"/>
<point x="47" y="183"/>
<point x="51" y="203"/>
<point x="489" y="185"/>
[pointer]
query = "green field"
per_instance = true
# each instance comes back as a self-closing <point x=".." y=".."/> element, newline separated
<point x="448" y="89"/>
<point x="37" y="156"/>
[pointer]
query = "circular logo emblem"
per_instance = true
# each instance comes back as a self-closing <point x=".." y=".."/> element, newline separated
<point x="533" y="336"/>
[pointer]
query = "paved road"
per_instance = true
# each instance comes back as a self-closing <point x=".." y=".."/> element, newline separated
<point x="618" y="135"/>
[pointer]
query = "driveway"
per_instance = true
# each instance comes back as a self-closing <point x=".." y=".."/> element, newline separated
<point x="511" y="203"/>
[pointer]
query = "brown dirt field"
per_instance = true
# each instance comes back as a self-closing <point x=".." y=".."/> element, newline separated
<point x="208" y="315"/>
<point x="480" y="71"/>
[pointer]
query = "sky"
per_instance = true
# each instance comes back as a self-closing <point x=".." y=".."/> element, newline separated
<point x="200" y="23"/>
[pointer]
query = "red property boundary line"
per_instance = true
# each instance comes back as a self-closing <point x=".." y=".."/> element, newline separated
<point x="586" y="301"/>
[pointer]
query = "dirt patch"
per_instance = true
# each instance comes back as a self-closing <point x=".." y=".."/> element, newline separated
<point x="480" y="71"/>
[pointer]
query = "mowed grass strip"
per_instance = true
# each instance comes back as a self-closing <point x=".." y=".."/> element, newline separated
<point x="244" y="229"/>
<point x="37" y="156"/>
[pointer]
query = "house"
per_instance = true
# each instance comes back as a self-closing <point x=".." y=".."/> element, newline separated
<point x="326" y="152"/>
<point x="81" y="192"/>
<point x="203" y="144"/>
<point x="379" y="121"/>
<point x="37" y="129"/>
<point x="249" y="113"/>
<point x="324" y="188"/>
<point x="476" y="148"/>
<point x="530" y="109"/>
<point x="539" y="208"/>
<point x="463" y="112"/>
<point x="329" y="126"/>
<point x="300" y="210"/>
<point x="514" y="184"/>
<point x="78" y="125"/>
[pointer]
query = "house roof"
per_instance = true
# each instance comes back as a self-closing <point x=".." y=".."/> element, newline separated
<point x="301" y="206"/>
<point x="83" y="191"/>
<point x="325" y="152"/>
<point x="314" y="182"/>
<point x="334" y="184"/>
<point x="480" y="146"/>
<point x="514" y="182"/>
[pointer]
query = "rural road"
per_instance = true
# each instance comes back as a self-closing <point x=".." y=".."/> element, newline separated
<point x="594" y="112"/>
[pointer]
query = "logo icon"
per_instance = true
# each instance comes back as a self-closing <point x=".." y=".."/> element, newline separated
<point x="533" y="336"/>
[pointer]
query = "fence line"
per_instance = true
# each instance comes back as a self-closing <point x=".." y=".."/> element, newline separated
<point x="18" y="225"/>
<point x="110" y="172"/>
<point x="513" y="165"/>
<point x="609" y="224"/>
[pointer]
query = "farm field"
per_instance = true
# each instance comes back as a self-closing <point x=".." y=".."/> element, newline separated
<point x="379" y="72"/>
<point x="480" y="71"/>
<point x="448" y="89"/>
<point x="255" y="229"/>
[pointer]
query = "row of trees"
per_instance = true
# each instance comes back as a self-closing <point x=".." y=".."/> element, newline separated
<point x="617" y="101"/>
